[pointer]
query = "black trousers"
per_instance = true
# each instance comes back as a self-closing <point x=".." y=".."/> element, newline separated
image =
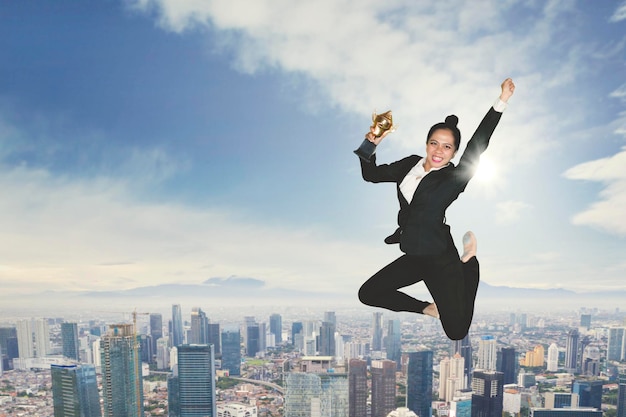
<point x="452" y="284"/>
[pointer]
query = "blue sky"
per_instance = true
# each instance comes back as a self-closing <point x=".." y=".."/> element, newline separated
<point x="157" y="142"/>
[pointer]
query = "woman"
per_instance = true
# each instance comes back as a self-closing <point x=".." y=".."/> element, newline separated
<point x="426" y="188"/>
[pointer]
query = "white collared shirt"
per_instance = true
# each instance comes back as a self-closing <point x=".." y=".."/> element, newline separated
<point x="417" y="173"/>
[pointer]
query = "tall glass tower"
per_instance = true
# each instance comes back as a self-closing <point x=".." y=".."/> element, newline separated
<point x="621" y="397"/>
<point x="487" y="394"/>
<point x="199" y="327"/>
<point x="393" y="341"/>
<point x="507" y="364"/>
<point x="69" y="337"/>
<point x="377" y="331"/>
<point x="122" y="389"/>
<point x="177" y="326"/>
<point x="75" y="391"/>
<point x="156" y="329"/>
<point x="357" y="374"/>
<point x="571" y="351"/>
<point x="276" y="327"/>
<point x="196" y="381"/>
<point x="231" y="350"/>
<point x="420" y="382"/>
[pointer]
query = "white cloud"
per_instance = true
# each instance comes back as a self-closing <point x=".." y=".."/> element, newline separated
<point x="509" y="212"/>
<point x="619" y="93"/>
<point x="619" y="14"/>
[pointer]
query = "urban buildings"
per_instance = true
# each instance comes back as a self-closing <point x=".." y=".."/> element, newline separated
<point x="69" y="339"/>
<point x="487" y="393"/>
<point x="316" y="394"/>
<point x="420" y="382"/>
<point x="176" y="331"/>
<point x="231" y="351"/>
<point x="276" y="327"/>
<point x="487" y="353"/>
<point x="75" y="391"/>
<point x="571" y="351"/>
<point x="357" y="382"/>
<point x="377" y="331"/>
<point x="122" y="389"/>
<point x="383" y="387"/>
<point x="451" y="377"/>
<point x="194" y="395"/>
<point x="553" y="358"/>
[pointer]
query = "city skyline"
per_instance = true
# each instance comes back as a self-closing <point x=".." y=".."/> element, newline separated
<point x="153" y="147"/>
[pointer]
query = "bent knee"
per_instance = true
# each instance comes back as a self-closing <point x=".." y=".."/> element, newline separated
<point x="367" y="295"/>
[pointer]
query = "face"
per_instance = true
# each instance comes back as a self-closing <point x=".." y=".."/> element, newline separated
<point x="440" y="149"/>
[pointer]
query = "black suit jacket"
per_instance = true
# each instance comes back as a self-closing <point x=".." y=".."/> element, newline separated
<point x="422" y="222"/>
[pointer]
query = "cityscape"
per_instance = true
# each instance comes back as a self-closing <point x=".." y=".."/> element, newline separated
<point x="189" y="361"/>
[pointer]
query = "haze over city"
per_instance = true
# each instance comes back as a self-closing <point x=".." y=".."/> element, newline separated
<point x="160" y="151"/>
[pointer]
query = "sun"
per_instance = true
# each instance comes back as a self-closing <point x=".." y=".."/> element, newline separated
<point x="486" y="171"/>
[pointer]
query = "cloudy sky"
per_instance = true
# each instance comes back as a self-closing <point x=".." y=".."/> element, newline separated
<point x="146" y="143"/>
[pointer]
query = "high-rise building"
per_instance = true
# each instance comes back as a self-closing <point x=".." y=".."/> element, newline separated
<point x="75" y="391"/>
<point x="69" y="339"/>
<point x="464" y="348"/>
<point x="276" y="327"/>
<point x="621" y="396"/>
<point x="616" y="345"/>
<point x="163" y="353"/>
<point x="296" y="328"/>
<point x="196" y="382"/>
<point x="451" y="377"/>
<point x="357" y="375"/>
<point x="393" y="341"/>
<point x="383" y="387"/>
<point x="252" y="340"/>
<point x="316" y="394"/>
<point x="534" y="358"/>
<point x="507" y="364"/>
<point x="176" y="336"/>
<point x="145" y="345"/>
<point x="553" y="358"/>
<point x="571" y="351"/>
<point x="487" y="353"/>
<point x="420" y="382"/>
<point x="25" y="339"/>
<point x="591" y="360"/>
<point x="199" y="327"/>
<point x="487" y="394"/>
<point x="327" y="339"/>
<point x="585" y="321"/>
<point x="156" y="329"/>
<point x="589" y="392"/>
<point x="122" y="389"/>
<point x="231" y="351"/>
<point x="330" y="317"/>
<point x="41" y="331"/>
<point x="213" y="338"/>
<point x="8" y="347"/>
<point x="377" y="331"/>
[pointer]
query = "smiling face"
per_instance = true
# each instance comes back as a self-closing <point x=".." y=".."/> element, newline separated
<point x="440" y="149"/>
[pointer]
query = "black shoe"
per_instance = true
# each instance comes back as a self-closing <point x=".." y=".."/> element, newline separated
<point x="394" y="238"/>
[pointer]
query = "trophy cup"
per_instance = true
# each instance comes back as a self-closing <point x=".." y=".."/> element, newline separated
<point x="382" y="123"/>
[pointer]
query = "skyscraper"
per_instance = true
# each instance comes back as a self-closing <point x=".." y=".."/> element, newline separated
<point x="621" y="396"/>
<point x="75" y="391"/>
<point x="41" y="331"/>
<point x="177" y="326"/>
<point x="276" y="327"/>
<point x="393" y="341"/>
<point x="487" y="394"/>
<point x="571" y="351"/>
<point x="553" y="358"/>
<point x="508" y="365"/>
<point x="616" y="346"/>
<point x="420" y="382"/>
<point x="487" y="353"/>
<point x="231" y="351"/>
<point x="377" y="331"/>
<point x="196" y="381"/>
<point x="330" y="317"/>
<point x="451" y="377"/>
<point x="316" y="394"/>
<point x="213" y="338"/>
<point x="296" y="328"/>
<point x="69" y="338"/>
<point x="585" y="321"/>
<point x="25" y="339"/>
<point x="199" y="327"/>
<point x="357" y="384"/>
<point x="589" y="392"/>
<point x="8" y="347"/>
<point x="156" y="329"/>
<point x="327" y="339"/>
<point x="383" y="387"/>
<point x="464" y="348"/>
<point x="252" y="340"/>
<point x="122" y="389"/>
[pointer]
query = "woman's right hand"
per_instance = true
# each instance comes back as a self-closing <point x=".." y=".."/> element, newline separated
<point x="376" y="139"/>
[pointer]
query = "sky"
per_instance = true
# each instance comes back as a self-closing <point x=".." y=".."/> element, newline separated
<point x="167" y="147"/>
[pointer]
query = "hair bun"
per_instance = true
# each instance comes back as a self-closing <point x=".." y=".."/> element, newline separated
<point x="452" y="120"/>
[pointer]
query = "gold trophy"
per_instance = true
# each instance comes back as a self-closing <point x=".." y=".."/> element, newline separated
<point x="382" y="123"/>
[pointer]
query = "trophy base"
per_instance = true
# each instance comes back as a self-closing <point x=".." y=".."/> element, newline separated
<point x="366" y="150"/>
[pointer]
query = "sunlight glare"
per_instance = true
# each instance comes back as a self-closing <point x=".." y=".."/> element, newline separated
<point x="486" y="171"/>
